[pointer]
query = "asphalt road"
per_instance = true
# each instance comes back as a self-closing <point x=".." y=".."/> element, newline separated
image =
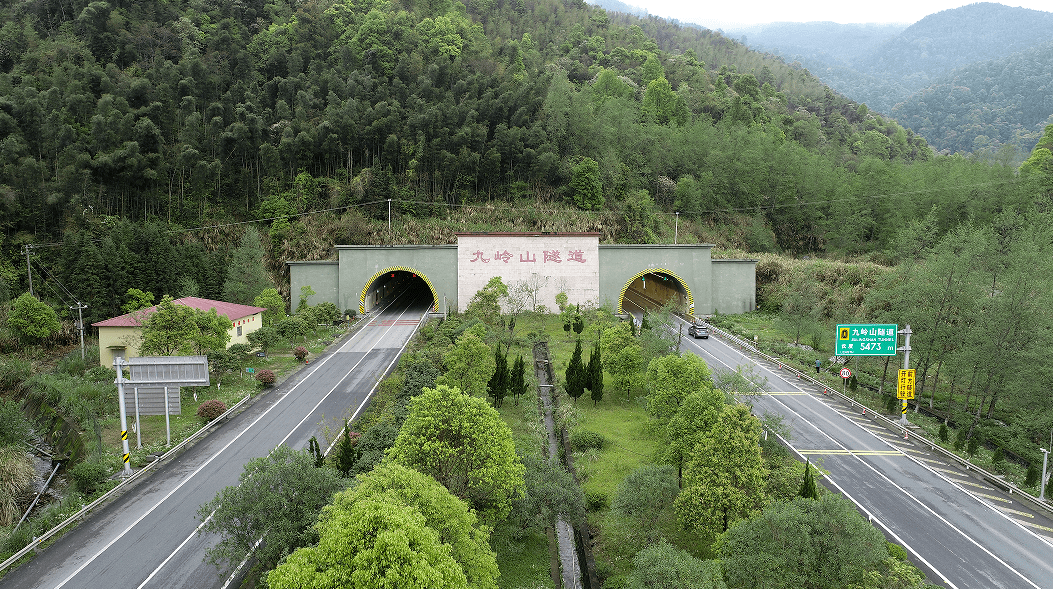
<point x="963" y="533"/>
<point x="148" y="536"/>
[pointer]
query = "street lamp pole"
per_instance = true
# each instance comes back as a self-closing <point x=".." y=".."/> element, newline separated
<point x="1042" y="481"/>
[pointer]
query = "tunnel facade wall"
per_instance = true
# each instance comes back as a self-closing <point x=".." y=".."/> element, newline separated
<point x="591" y="273"/>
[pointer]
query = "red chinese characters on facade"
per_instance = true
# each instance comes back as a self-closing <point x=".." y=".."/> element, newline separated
<point x="548" y="256"/>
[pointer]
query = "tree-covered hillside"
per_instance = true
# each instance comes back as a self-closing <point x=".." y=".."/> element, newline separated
<point x="186" y="115"/>
<point x="986" y="105"/>
<point x="969" y="78"/>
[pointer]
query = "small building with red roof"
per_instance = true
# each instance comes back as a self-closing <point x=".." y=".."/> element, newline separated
<point x="122" y="335"/>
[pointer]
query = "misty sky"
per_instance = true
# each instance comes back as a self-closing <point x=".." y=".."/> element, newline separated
<point x="726" y="14"/>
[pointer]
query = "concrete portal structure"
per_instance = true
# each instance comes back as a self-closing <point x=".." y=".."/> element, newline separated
<point x="589" y="273"/>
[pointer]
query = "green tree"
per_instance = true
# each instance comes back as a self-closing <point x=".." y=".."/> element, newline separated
<point x="724" y="480"/>
<point x="696" y="415"/>
<point x="469" y="365"/>
<point x="622" y="356"/>
<point x="264" y="338"/>
<point x="486" y="302"/>
<point x="671" y="379"/>
<point x="808" y="488"/>
<point x="32" y="319"/>
<point x="464" y="444"/>
<point x="277" y="499"/>
<point x="664" y="566"/>
<point x="644" y="495"/>
<point x="518" y="379"/>
<point x="497" y="386"/>
<point x="273" y="301"/>
<point x="137" y="300"/>
<point x="822" y="543"/>
<point x="575" y="375"/>
<point x="180" y="330"/>
<point x="246" y="273"/>
<point x="585" y="185"/>
<point x="371" y="545"/>
<point x="595" y="374"/>
<point x="451" y="518"/>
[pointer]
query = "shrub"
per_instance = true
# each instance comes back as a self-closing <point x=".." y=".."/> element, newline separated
<point x="89" y="475"/>
<point x="974" y="446"/>
<point x="959" y="440"/>
<point x="266" y="377"/>
<point x="239" y="350"/>
<point x="1031" y="479"/>
<point x="582" y="441"/>
<point x="896" y="551"/>
<point x="944" y="434"/>
<point x="999" y="456"/>
<point x="211" y="409"/>
<point x="300" y="353"/>
<point x="596" y="500"/>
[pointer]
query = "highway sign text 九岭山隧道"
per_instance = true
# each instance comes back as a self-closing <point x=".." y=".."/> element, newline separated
<point x="865" y="340"/>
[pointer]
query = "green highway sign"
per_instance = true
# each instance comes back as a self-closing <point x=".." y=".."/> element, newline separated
<point x="865" y="340"/>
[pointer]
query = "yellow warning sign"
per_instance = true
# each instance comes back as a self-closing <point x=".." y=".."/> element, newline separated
<point x="843" y="334"/>
<point x="905" y="390"/>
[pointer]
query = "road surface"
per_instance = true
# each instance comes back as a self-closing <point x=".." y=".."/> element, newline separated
<point x="964" y="533"/>
<point x="148" y="537"/>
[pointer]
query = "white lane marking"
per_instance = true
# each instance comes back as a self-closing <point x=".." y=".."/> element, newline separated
<point x="186" y="480"/>
<point x="920" y="503"/>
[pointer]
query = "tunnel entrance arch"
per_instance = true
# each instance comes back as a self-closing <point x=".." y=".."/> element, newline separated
<point x="665" y="285"/>
<point x="396" y="272"/>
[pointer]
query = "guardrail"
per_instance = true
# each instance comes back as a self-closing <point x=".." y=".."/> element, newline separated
<point x="994" y="479"/>
<point x="120" y="488"/>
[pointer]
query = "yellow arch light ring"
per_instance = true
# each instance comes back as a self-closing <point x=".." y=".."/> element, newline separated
<point x="365" y="288"/>
<point x="690" y="297"/>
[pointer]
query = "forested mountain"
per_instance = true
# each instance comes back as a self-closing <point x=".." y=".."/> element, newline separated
<point x="134" y="135"/>
<point x="986" y="105"/>
<point x="928" y="53"/>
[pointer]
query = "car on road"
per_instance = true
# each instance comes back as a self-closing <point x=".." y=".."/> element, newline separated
<point x="698" y="330"/>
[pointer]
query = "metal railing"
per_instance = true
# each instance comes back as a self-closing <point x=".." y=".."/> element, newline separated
<point x="995" y="479"/>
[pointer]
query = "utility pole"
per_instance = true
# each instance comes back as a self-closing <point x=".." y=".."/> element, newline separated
<point x="80" y="324"/>
<point x="25" y="250"/>
<point x="906" y="366"/>
<point x="389" y="218"/>
<point x="1042" y="481"/>
<point x="676" y="228"/>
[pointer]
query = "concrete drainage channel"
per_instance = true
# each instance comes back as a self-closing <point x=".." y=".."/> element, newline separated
<point x="570" y="575"/>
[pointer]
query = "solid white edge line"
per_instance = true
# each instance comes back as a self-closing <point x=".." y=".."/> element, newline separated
<point x="912" y="498"/>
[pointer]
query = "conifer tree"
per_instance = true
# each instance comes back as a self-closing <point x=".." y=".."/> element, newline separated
<point x="497" y="388"/>
<point x="517" y="379"/>
<point x="808" y="488"/>
<point x="596" y="375"/>
<point x="576" y="374"/>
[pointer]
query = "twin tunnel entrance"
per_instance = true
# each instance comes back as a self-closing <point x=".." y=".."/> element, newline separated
<point x="647" y="290"/>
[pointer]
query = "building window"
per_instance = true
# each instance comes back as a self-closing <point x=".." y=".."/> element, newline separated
<point x="239" y="330"/>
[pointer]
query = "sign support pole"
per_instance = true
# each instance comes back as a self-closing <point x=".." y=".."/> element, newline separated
<point x="117" y="363"/>
<point x="906" y="366"/>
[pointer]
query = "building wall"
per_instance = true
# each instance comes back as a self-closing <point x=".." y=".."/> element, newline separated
<point x="111" y="338"/>
<point x="362" y="265"/>
<point x="734" y="286"/>
<point x="130" y="338"/>
<point x="600" y="277"/>
<point x="324" y="279"/>
<point x="551" y="264"/>
<point x="621" y="265"/>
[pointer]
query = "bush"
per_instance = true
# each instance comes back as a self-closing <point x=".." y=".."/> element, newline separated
<point x="1032" y="476"/>
<point x="300" y="353"/>
<point x="999" y="456"/>
<point x="582" y="441"/>
<point x="944" y="434"/>
<point x="596" y="500"/>
<point x="974" y="446"/>
<point x="87" y="476"/>
<point x="959" y="440"/>
<point x="266" y="377"/>
<point x="211" y="409"/>
<point x="239" y="350"/>
<point x="896" y="551"/>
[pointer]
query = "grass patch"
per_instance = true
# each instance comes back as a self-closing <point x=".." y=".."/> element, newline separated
<point x="524" y="563"/>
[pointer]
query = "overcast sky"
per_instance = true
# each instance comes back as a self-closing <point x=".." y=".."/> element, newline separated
<point x="725" y="14"/>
